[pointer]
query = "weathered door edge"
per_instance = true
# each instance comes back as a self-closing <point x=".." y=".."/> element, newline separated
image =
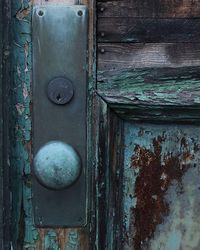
<point x="24" y="234"/>
<point x="1" y="134"/>
<point x="106" y="175"/>
<point x="5" y="80"/>
<point x="93" y="132"/>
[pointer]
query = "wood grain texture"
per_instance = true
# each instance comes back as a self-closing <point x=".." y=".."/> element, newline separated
<point x="46" y="2"/>
<point x="149" y="30"/>
<point x="5" y="112"/>
<point x="1" y="129"/>
<point x="158" y="94"/>
<point x="149" y="8"/>
<point x="119" y="56"/>
<point x="153" y="86"/>
<point x="109" y="159"/>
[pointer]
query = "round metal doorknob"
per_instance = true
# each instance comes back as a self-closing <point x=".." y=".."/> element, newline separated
<point x="57" y="165"/>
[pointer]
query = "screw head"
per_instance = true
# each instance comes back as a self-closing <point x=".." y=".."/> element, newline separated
<point x="57" y="165"/>
<point x="60" y="90"/>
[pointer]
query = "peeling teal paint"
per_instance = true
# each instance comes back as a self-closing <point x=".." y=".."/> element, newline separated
<point x="50" y="240"/>
<point x="157" y="86"/>
<point x="22" y="227"/>
<point x="72" y="241"/>
<point x="24" y="234"/>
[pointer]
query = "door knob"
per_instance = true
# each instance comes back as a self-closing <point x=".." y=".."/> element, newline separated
<point x="57" y="165"/>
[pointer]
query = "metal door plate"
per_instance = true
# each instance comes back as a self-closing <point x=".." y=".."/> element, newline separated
<point x="60" y="50"/>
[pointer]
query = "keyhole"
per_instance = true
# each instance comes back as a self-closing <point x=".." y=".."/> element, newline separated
<point x="60" y="90"/>
<point x="58" y="98"/>
<point x="40" y="13"/>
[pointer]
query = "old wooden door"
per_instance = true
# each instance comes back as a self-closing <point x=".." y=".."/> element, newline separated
<point x="143" y="128"/>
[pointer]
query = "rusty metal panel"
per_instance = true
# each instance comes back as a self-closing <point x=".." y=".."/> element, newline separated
<point x="60" y="52"/>
<point x="161" y="186"/>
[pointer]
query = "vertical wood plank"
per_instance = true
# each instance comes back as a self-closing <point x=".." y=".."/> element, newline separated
<point x="24" y="234"/>
<point x="4" y="124"/>
<point x="22" y="221"/>
<point x="1" y="130"/>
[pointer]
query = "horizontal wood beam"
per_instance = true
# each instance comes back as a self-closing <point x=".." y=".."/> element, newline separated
<point x="41" y="2"/>
<point x="148" y="30"/>
<point x="151" y="87"/>
<point x="119" y="56"/>
<point x="157" y="114"/>
<point x="149" y="8"/>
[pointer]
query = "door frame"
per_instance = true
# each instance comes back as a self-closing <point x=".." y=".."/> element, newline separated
<point x="5" y="81"/>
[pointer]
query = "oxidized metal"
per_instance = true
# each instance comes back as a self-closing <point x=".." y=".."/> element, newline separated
<point x="161" y="186"/>
<point x="57" y="165"/>
<point x="60" y="90"/>
<point x="60" y="53"/>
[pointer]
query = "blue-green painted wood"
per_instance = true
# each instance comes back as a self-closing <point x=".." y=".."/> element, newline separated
<point x="22" y="224"/>
<point x="151" y="86"/>
<point x="24" y="234"/>
<point x="1" y="129"/>
<point x="159" y="94"/>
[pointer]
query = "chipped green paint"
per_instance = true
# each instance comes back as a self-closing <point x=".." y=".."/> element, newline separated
<point x="152" y="86"/>
<point x="24" y="234"/>
<point x="153" y="93"/>
<point x="22" y="225"/>
<point x="161" y="186"/>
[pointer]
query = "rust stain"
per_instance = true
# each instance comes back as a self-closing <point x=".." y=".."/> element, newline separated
<point x="22" y="13"/>
<point x="155" y="176"/>
<point x="40" y="242"/>
<point x="83" y="239"/>
<point x="28" y="146"/>
<point x="62" y="237"/>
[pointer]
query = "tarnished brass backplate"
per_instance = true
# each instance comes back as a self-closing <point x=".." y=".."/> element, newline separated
<point x="60" y="51"/>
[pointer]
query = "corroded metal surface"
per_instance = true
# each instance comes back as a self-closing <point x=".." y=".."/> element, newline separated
<point x="161" y="187"/>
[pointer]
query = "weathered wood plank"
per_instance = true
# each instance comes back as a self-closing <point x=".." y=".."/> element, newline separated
<point x="151" y="86"/>
<point x="109" y="159"/>
<point x="149" y="8"/>
<point x="5" y="70"/>
<point x="161" y="186"/>
<point x="157" y="114"/>
<point x="114" y="173"/>
<point x="1" y="129"/>
<point x="24" y="234"/>
<point x="118" y="56"/>
<point x="41" y="2"/>
<point x="161" y="94"/>
<point x="149" y="30"/>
